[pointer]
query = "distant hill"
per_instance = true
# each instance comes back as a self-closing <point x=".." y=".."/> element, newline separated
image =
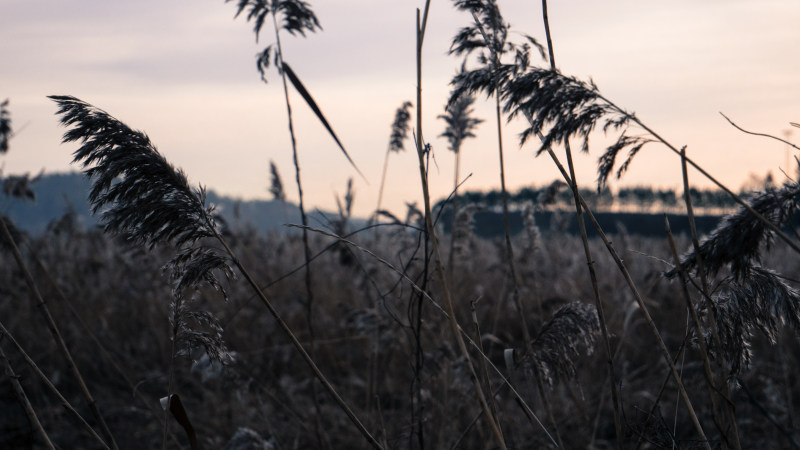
<point x="57" y="193"/>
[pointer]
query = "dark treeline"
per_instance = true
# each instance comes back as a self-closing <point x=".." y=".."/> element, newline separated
<point x="638" y="198"/>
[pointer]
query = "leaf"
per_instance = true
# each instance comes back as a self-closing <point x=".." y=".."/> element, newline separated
<point x="313" y="105"/>
<point x="179" y="413"/>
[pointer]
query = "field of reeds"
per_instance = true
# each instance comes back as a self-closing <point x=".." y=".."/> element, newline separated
<point x="168" y="327"/>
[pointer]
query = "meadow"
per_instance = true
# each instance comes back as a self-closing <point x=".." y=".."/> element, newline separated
<point x="172" y="326"/>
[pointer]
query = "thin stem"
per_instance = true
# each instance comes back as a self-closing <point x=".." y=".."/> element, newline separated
<point x="573" y="182"/>
<point x="493" y="424"/>
<point x="698" y="328"/>
<point x="171" y="384"/>
<point x="453" y="237"/>
<point x="306" y="246"/>
<point x="701" y="270"/>
<point x="64" y="402"/>
<point x="23" y="400"/>
<point x="774" y="228"/>
<point x="758" y="134"/>
<point x="639" y="300"/>
<point x="61" y="344"/>
<point x="296" y="342"/>
<point x="506" y="224"/>
<point x="383" y="180"/>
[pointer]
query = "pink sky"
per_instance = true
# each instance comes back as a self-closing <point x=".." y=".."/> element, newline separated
<point x="184" y="72"/>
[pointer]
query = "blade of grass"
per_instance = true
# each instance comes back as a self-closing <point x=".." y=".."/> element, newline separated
<point x="313" y="105"/>
<point x="173" y="404"/>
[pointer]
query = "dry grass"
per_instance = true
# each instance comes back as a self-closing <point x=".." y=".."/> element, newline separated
<point x="123" y="298"/>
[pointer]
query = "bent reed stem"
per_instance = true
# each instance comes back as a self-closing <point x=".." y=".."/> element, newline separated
<point x="639" y="300"/>
<point x="306" y="246"/>
<point x="296" y="342"/>
<point x="23" y="400"/>
<point x="54" y="331"/>
<point x="440" y="272"/>
<point x="573" y="183"/>
<point x="5" y="334"/>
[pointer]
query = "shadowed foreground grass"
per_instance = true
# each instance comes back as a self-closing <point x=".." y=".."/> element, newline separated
<point x="366" y="344"/>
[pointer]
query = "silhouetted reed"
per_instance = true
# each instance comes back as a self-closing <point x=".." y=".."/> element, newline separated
<point x="399" y="134"/>
<point x="276" y="185"/>
<point x="738" y="241"/>
<point x="146" y="199"/>
<point x="140" y="195"/>
<point x="761" y="301"/>
<point x="5" y="126"/>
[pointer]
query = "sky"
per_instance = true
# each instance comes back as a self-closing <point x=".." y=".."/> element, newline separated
<point x="184" y="72"/>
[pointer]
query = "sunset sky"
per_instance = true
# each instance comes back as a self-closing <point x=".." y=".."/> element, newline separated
<point x="184" y="72"/>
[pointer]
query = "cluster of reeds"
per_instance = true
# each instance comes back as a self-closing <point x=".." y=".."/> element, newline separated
<point x="410" y="349"/>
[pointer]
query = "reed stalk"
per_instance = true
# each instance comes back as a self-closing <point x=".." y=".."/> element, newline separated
<point x="723" y="389"/>
<point x="640" y="301"/>
<point x="573" y="183"/>
<point x="23" y="400"/>
<point x="494" y="425"/>
<point x="5" y="334"/>
<point x="56" y="334"/>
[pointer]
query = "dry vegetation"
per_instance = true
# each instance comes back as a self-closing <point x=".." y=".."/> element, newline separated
<point x="366" y="346"/>
<point x="168" y="329"/>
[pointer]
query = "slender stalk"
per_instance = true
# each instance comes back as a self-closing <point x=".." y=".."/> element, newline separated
<point x="451" y="254"/>
<point x="492" y="421"/>
<point x="506" y="224"/>
<point x="296" y="342"/>
<point x="306" y="246"/>
<point x="442" y="309"/>
<point x="720" y="360"/>
<point x="698" y="328"/>
<point x="64" y="402"/>
<point x="573" y="182"/>
<point x="171" y="383"/>
<point x="484" y="369"/>
<point x="639" y="300"/>
<point x="124" y="373"/>
<point x="51" y="325"/>
<point x="738" y="199"/>
<point x="23" y="400"/>
<point x="383" y="179"/>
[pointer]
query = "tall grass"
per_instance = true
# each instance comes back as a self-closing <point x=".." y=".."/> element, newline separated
<point x="389" y="322"/>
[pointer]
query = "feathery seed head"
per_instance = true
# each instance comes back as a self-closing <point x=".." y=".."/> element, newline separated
<point x="5" y="126"/>
<point x="459" y="121"/>
<point x="400" y="127"/>
<point x="739" y="238"/>
<point x="140" y="195"/>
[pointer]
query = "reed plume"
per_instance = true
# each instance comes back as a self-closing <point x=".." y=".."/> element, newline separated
<point x="571" y="331"/>
<point x="20" y="186"/>
<point x="142" y="196"/>
<point x="739" y="239"/>
<point x="460" y="126"/>
<point x="5" y="126"/>
<point x="560" y="108"/>
<point x="150" y="202"/>
<point x="276" y="185"/>
<point x="763" y="302"/>
<point x="397" y="138"/>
